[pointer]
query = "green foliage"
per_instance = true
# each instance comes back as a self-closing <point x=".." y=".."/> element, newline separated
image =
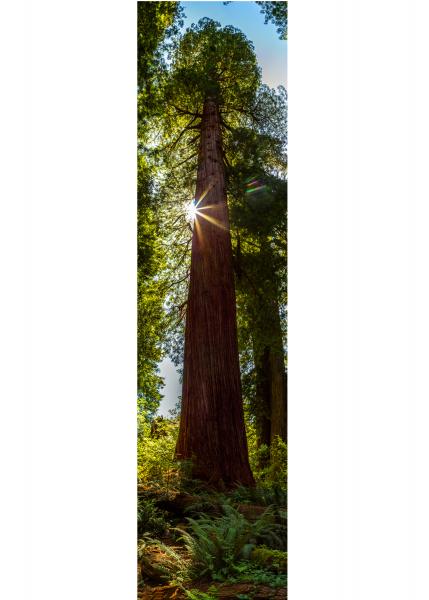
<point x="215" y="544"/>
<point x="277" y="471"/>
<point x="199" y="595"/>
<point x="268" y="463"/>
<point x="170" y="565"/>
<point x="275" y="560"/>
<point x="155" y="21"/>
<point x="150" y="519"/>
<point x="210" y="503"/>
<point x="262" y="495"/>
<point x="215" y="62"/>
<point x="274" y="461"/>
<point x="220" y="62"/>
<point x="248" y="572"/>
<point x="208" y="61"/>
<point x="150" y="260"/>
<point x="257" y="187"/>
<point x="157" y="467"/>
<point x="276" y="12"/>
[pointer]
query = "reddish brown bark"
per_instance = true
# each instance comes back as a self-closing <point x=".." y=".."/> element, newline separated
<point x="212" y="431"/>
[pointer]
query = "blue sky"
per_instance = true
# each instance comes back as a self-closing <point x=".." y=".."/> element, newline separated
<point x="272" y="57"/>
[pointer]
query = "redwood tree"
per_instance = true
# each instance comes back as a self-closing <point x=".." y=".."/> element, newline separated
<point x="211" y="90"/>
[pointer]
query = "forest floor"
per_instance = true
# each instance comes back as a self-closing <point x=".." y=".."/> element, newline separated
<point x="224" y="591"/>
<point x="154" y="585"/>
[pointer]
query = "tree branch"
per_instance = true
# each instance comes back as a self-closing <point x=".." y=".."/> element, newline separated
<point x="186" y="112"/>
<point x="187" y="128"/>
<point x="186" y="160"/>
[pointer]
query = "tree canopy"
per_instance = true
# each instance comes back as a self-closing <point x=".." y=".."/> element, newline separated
<point x="276" y="12"/>
<point x="155" y="19"/>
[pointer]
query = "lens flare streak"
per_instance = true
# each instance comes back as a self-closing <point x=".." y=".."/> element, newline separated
<point x="254" y="186"/>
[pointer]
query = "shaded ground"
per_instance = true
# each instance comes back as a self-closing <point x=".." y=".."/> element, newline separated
<point x="225" y="591"/>
<point x="151" y="565"/>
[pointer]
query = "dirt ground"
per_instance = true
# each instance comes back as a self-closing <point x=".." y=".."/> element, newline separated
<point x="225" y="592"/>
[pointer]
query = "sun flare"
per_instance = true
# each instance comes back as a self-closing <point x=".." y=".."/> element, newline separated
<point x="191" y="211"/>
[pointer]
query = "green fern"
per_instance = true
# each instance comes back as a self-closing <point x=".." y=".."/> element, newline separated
<point x="215" y="544"/>
<point x="175" y="566"/>
<point x="263" y="495"/>
<point x="274" y="560"/>
<point x="150" y="519"/>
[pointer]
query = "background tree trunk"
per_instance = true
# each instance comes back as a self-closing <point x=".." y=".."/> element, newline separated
<point x="263" y="396"/>
<point x="271" y="379"/>
<point x="278" y="381"/>
<point x="212" y="432"/>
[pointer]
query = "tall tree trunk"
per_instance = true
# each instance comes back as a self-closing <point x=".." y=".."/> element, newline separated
<point x="263" y="395"/>
<point x="212" y="432"/>
<point x="278" y="379"/>
<point x="270" y="374"/>
<point x="261" y="356"/>
<point x="271" y="382"/>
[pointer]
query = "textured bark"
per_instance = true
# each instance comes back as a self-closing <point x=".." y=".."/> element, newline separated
<point x="262" y="396"/>
<point x="278" y="382"/>
<point x="212" y="431"/>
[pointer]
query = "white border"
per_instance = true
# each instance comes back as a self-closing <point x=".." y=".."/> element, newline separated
<point x="358" y="352"/>
<point x="83" y="452"/>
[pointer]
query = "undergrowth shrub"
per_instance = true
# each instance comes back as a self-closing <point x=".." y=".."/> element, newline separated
<point x="262" y="495"/>
<point x="275" y="560"/>
<point x="215" y="544"/>
<point x="208" y="503"/>
<point x="248" y="572"/>
<point x="150" y="519"/>
<point x="274" y="459"/>
<point x="169" y="566"/>
<point x="156" y="465"/>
